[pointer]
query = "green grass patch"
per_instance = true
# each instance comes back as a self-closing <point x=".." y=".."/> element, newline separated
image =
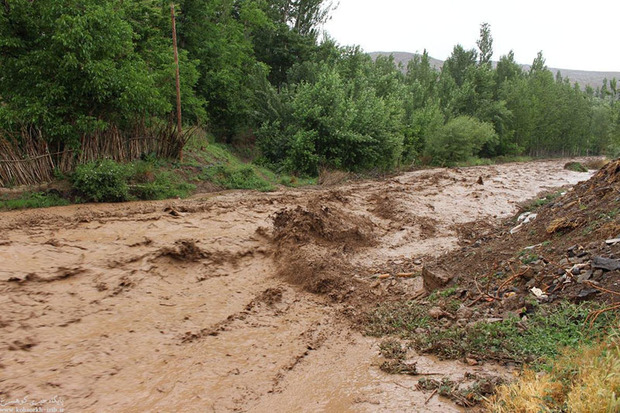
<point x="164" y="185"/>
<point x="216" y="163"/>
<point x="33" y="200"/>
<point x="237" y="177"/>
<point x="537" y="203"/>
<point x="536" y="340"/>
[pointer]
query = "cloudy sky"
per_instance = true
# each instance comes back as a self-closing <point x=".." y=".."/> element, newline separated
<point x="581" y="36"/>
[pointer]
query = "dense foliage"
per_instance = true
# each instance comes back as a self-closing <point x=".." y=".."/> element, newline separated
<point x="258" y="72"/>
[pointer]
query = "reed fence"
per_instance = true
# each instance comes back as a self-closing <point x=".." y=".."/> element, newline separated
<point x="26" y="158"/>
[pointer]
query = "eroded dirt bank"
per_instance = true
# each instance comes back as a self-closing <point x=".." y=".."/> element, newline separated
<point x="237" y="301"/>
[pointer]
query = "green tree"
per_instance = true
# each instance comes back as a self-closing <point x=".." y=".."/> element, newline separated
<point x="485" y="45"/>
<point x="74" y="67"/>
<point x="459" y="139"/>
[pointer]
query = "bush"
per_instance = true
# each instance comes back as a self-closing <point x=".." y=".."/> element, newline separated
<point x="460" y="139"/>
<point x="103" y="181"/>
<point x="575" y="167"/>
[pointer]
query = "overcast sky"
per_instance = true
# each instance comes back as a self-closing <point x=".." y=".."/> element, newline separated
<point x="581" y="37"/>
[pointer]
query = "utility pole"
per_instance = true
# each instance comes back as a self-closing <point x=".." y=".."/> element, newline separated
<point x="178" y="81"/>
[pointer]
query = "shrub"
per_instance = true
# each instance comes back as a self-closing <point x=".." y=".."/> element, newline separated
<point x="575" y="167"/>
<point x="102" y="181"/>
<point x="459" y="139"/>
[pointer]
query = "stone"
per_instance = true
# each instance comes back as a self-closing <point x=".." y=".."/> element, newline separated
<point x="607" y="264"/>
<point x="471" y="361"/>
<point x="464" y="312"/>
<point x="435" y="278"/>
<point x="436" y="312"/>
<point x="584" y="276"/>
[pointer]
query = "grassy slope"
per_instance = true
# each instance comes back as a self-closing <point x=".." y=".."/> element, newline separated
<point x="206" y="167"/>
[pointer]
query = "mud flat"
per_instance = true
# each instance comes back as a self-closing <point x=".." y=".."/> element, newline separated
<point x="239" y="301"/>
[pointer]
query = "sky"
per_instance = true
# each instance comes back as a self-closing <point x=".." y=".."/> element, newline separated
<point x="572" y="35"/>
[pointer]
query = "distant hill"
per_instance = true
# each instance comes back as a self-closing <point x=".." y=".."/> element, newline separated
<point x="583" y="77"/>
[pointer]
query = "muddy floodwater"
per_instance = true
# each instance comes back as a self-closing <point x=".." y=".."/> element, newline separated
<point x="177" y="305"/>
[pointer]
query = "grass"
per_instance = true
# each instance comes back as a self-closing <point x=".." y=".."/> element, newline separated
<point x="218" y="164"/>
<point x="537" y="203"/>
<point x="33" y="200"/>
<point x="537" y="340"/>
<point x="586" y="379"/>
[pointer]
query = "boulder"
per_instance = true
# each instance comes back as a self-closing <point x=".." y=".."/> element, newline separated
<point x="435" y="278"/>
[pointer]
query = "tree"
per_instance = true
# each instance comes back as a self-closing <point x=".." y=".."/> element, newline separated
<point x="71" y="68"/>
<point x="485" y="44"/>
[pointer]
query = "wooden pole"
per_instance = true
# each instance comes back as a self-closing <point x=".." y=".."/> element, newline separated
<point x="178" y="81"/>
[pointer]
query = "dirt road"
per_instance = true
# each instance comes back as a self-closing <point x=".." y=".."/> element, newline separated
<point x="204" y="304"/>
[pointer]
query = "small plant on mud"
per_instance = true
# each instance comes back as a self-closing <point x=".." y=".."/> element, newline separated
<point x="392" y="349"/>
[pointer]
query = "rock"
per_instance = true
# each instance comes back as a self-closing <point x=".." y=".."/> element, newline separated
<point x="575" y="270"/>
<point x="436" y="312"/>
<point x="607" y="264"/>
<point x="584" y="276"/>
<point x="464" y="312"/>
<point x="528" y="272"/>
<point x="471" y="361"/>
<point x="435" y="278"/>
<point x="586" y="294"/>
<point x="511" y="302"/>
<point x="417" y="262"/>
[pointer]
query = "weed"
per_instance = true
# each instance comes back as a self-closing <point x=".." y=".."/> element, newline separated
<point x="400" y="318"/>
<point x="392" y="349"/>
<point x="586" y="379"/>
<point x="528" y="258"/>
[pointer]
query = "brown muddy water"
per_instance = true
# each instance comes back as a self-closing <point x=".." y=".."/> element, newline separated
<point x="179" y="306"/>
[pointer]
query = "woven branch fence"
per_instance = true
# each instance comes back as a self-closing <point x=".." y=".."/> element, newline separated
<point x="27" y="158"/>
